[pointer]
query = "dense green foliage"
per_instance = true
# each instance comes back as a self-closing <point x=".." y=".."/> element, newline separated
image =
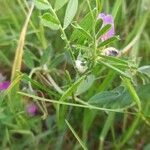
<point x="106" y="106"/>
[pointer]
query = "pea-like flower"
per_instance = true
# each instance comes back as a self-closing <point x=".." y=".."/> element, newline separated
<point x="31" y="109"/>
<point x="4" y="85"/>
<point x="107" y="19"/>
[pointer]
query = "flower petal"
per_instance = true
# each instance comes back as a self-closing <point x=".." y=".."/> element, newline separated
<point x="107" y="19"/>
<point x="4" y="85"/>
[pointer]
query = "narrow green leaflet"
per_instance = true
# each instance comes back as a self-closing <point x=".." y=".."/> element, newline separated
<point x="59" y="4"/>
<point x="83" y="32"/>
<point x="41" y="4"/>
<point x="36" y="84"/>
<point x="115" y="59"/>
<point x="120" y="97"/>
<point x="108" y="41"/>
<point x="98" y="25"/>
<point x="70" y="12"/>
<point x="29" y="59"/>
<point x="50" y="21"/>
<point x="115" y="69"/>
<point x="71" y="89"/>
<point x="106" y="97"/>
<point x="85" y="84"/>
<point x="103" y="30"/>
<point x="47" y="55"/>
<point x="87" y="24"/>
<point x="132" y="92"/>
<point x="116" y="7"/>
<point x="4" y="59"/>
<point x="145" y="70"/>
<point x="58" y="59"/>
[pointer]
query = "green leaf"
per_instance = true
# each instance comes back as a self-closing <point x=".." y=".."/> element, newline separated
<point x="47" y="55"/>
<point x="98" y="25"/>
<point x="85" y="84"/>
<point x="115" y="59"/>
<point x="87" y="24"/>
<point x="145" y="70"/>
<point x="119" y="97"/>
<point x="83" y="32"/>
<point x="102" y="31"/>
<point x="70" y="12"/>
<point x="116" y="7"/>
<point x="4" y="59"/>
<point x="116" y="98"/>
<point x="59" y="4"/>
<point x="147" y="146"/>
<point x="50" y="21"/>
<point x="71" y="89"/>
<point x="41" y="4"/>
<point x="38" y="85"/>
<point x="132" y="92"/>
<point x="143" y="92"/>
<point x="28" y="59"/>
<point x="105" y="97"/>
<point x="115" y="69"/>
<point x="108" y="41"/>
<point x="57" y="60"/>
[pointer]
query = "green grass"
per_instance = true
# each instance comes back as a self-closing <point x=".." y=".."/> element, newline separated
<point x="106" y="107"/>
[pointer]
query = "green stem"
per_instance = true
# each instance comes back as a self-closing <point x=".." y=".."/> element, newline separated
<point x="94" y="34"/>
<point x="64" y="35"/>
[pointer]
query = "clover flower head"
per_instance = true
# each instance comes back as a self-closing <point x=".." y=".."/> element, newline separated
<point x="107" y="19"/>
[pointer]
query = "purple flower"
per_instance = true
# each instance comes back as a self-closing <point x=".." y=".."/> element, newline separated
<point x="31" y="109"/>
<point x="4" y="85"/>
<point x="107" y="19"/>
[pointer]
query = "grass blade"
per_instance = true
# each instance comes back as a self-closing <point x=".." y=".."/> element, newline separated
<point x="76" y="136"/>
<point x="19" y="50"/>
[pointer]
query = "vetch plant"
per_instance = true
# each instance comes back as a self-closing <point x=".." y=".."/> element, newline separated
<point x="74" y="84"/>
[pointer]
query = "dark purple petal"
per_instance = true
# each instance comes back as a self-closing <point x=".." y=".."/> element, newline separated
<point x="31" y="109"/>
<point x="107" y="19"/>
<point x="4" y="85"/>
